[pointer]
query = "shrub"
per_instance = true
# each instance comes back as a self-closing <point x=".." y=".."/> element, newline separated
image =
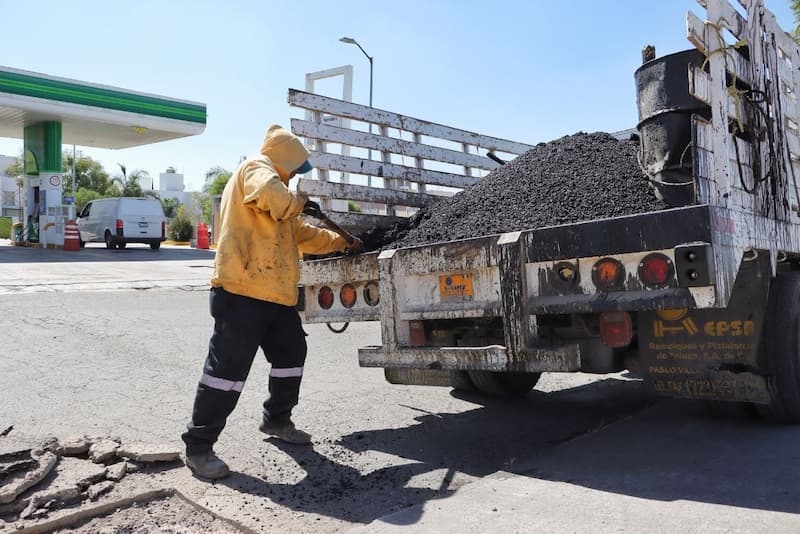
<point x="180" y="229"/>
<point x="5" y="227"/>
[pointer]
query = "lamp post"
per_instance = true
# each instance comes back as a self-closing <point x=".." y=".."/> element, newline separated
<point x="350" y="40"/>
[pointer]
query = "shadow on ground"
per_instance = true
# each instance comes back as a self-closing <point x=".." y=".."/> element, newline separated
<point x="496" y="435"/>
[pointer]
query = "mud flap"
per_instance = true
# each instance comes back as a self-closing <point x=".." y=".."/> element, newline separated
<point x="713" y="353"/>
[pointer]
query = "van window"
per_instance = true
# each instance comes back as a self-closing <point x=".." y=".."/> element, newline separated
<point x="86" y="209"/>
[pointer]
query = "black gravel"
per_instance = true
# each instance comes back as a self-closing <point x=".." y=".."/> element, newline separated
<point x="576" y="178"/>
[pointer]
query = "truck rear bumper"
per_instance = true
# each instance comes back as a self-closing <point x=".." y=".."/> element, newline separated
<point x="563" y="358"/>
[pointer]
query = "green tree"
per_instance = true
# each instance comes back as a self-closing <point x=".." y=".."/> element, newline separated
<point x="83" y="196"/>
<point x="170" y="206"/>
<point x="89" y="174"/>
<point x="795" y="4"/>
<point x="15" y="169"/>
<point x="130" y="185"/>
<point x="214" y="187"/>
<point x="221" y="177"/>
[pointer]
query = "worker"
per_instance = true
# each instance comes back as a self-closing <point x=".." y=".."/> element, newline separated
<point x="253" y="297"/>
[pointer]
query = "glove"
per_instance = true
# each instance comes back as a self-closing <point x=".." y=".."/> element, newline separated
<point x="355" y="246"/>
<point x="312" y="208"/>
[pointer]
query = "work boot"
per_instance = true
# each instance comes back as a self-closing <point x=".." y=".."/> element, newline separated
<point x="285" y="432"/>
<point x="207" y="465"/>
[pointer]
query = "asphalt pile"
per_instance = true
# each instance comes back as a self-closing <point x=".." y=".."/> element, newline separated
<point x="579" y="177"/>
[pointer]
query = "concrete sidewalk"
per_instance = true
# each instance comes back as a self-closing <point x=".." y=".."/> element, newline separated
<point x="659" y="471"/>
<point x="95" y="268"/>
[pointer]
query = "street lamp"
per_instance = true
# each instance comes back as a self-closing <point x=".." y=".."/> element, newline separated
<point x="350" y="40"/>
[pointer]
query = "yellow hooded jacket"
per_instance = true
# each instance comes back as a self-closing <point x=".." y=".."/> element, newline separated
<point x="261" y="236"/>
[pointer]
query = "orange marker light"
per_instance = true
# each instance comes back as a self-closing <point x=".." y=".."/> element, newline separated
<point x="348" y="295"/>
<point x="608" y="274"/>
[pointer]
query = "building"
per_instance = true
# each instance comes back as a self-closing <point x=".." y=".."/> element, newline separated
<point x="10" y="202"/>
<point x="170" y="185"/>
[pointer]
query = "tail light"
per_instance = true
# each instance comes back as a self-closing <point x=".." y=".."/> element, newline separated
<point x="120" y="228"/>
<point x="325" y="298"/>
<point x="372" y="294"/>
<point x="615" y="329"/>
<point x="608" y="274"/>
<point x="656" y="270"/>
<point x="416" y="333"/>
<point x="163" y="230"/>
<point x="347" y="295"/>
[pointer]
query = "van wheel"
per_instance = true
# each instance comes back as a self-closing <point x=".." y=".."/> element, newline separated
<point x="155" y="246"/>
<point x="109" y="240"/>
<point x="779" y="354"/>
<point x="508" y="385"/>
<point x="122" y="244"/>
<point x="81" y="242"/>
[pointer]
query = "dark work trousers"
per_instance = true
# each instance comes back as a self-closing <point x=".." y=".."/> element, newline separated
<point x="241" y="326"/>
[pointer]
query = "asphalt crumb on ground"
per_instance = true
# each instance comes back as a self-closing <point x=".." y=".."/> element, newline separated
<point x="168" y="514"/>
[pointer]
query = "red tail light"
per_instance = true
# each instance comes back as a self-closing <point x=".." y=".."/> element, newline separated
<point x="325" y="298"/>
<point x="416" y="333"/>
<point x="163" y="230"/>
<point x="120" y="228"/>
<point x="656" y="270"/>
<point x="616" y="329"/>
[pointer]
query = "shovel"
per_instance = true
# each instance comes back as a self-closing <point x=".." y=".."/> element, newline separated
<point x="312" y="209"/>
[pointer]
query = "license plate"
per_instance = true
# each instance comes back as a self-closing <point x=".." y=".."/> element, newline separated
<point x="456" y="287"/>
<point x="142" y="225"/>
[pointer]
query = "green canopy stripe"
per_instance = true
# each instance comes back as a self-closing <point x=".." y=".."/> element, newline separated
<point x="25" y="85"/>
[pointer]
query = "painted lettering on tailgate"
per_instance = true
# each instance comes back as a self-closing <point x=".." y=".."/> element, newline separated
<point x="456" y="287"/>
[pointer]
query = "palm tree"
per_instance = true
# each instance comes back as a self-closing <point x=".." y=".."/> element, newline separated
<point x="130" y="184"/>
<point x="796" y="9"/>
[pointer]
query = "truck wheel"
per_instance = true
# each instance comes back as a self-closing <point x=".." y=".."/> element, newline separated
<point x="155" y="246"/>
<point x="109" y="240"/>
<point x="509" y="385"/>
<point x="121" y="244"/>
<point x="460" y="381"/>
<point x="780" y="350"/>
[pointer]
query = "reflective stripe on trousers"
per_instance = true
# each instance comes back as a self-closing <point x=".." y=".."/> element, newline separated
<point x="221" y="383"/>
<point x="286" y="372"/>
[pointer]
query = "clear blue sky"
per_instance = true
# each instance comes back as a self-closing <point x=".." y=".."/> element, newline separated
<point x="529" y="71"/>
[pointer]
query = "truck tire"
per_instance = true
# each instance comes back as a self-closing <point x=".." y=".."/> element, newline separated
<point x="460" y="381"/>
<point x="780" y="350"/>
<point x="508" y="385"/>
<point x="109" y="241"/>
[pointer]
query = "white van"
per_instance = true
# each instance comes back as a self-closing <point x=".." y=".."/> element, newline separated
<point x="122" y="220"/>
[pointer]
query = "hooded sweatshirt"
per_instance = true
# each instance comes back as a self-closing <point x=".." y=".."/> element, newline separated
<point x="261" y="236"/>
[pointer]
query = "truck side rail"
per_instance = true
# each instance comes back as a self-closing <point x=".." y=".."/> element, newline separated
<point x="746" y="159"/>
<point x="418" y="161"/>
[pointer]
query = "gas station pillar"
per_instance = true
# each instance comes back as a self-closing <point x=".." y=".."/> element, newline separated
<point x="42" y="209"/>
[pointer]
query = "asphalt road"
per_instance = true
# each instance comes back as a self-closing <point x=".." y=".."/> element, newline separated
<point x="580" y="454"/>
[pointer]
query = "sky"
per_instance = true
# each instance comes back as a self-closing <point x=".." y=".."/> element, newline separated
<point x="528" y="70"/>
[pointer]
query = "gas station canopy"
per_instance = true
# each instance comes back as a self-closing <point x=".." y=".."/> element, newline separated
<point x="93" y="115"/>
